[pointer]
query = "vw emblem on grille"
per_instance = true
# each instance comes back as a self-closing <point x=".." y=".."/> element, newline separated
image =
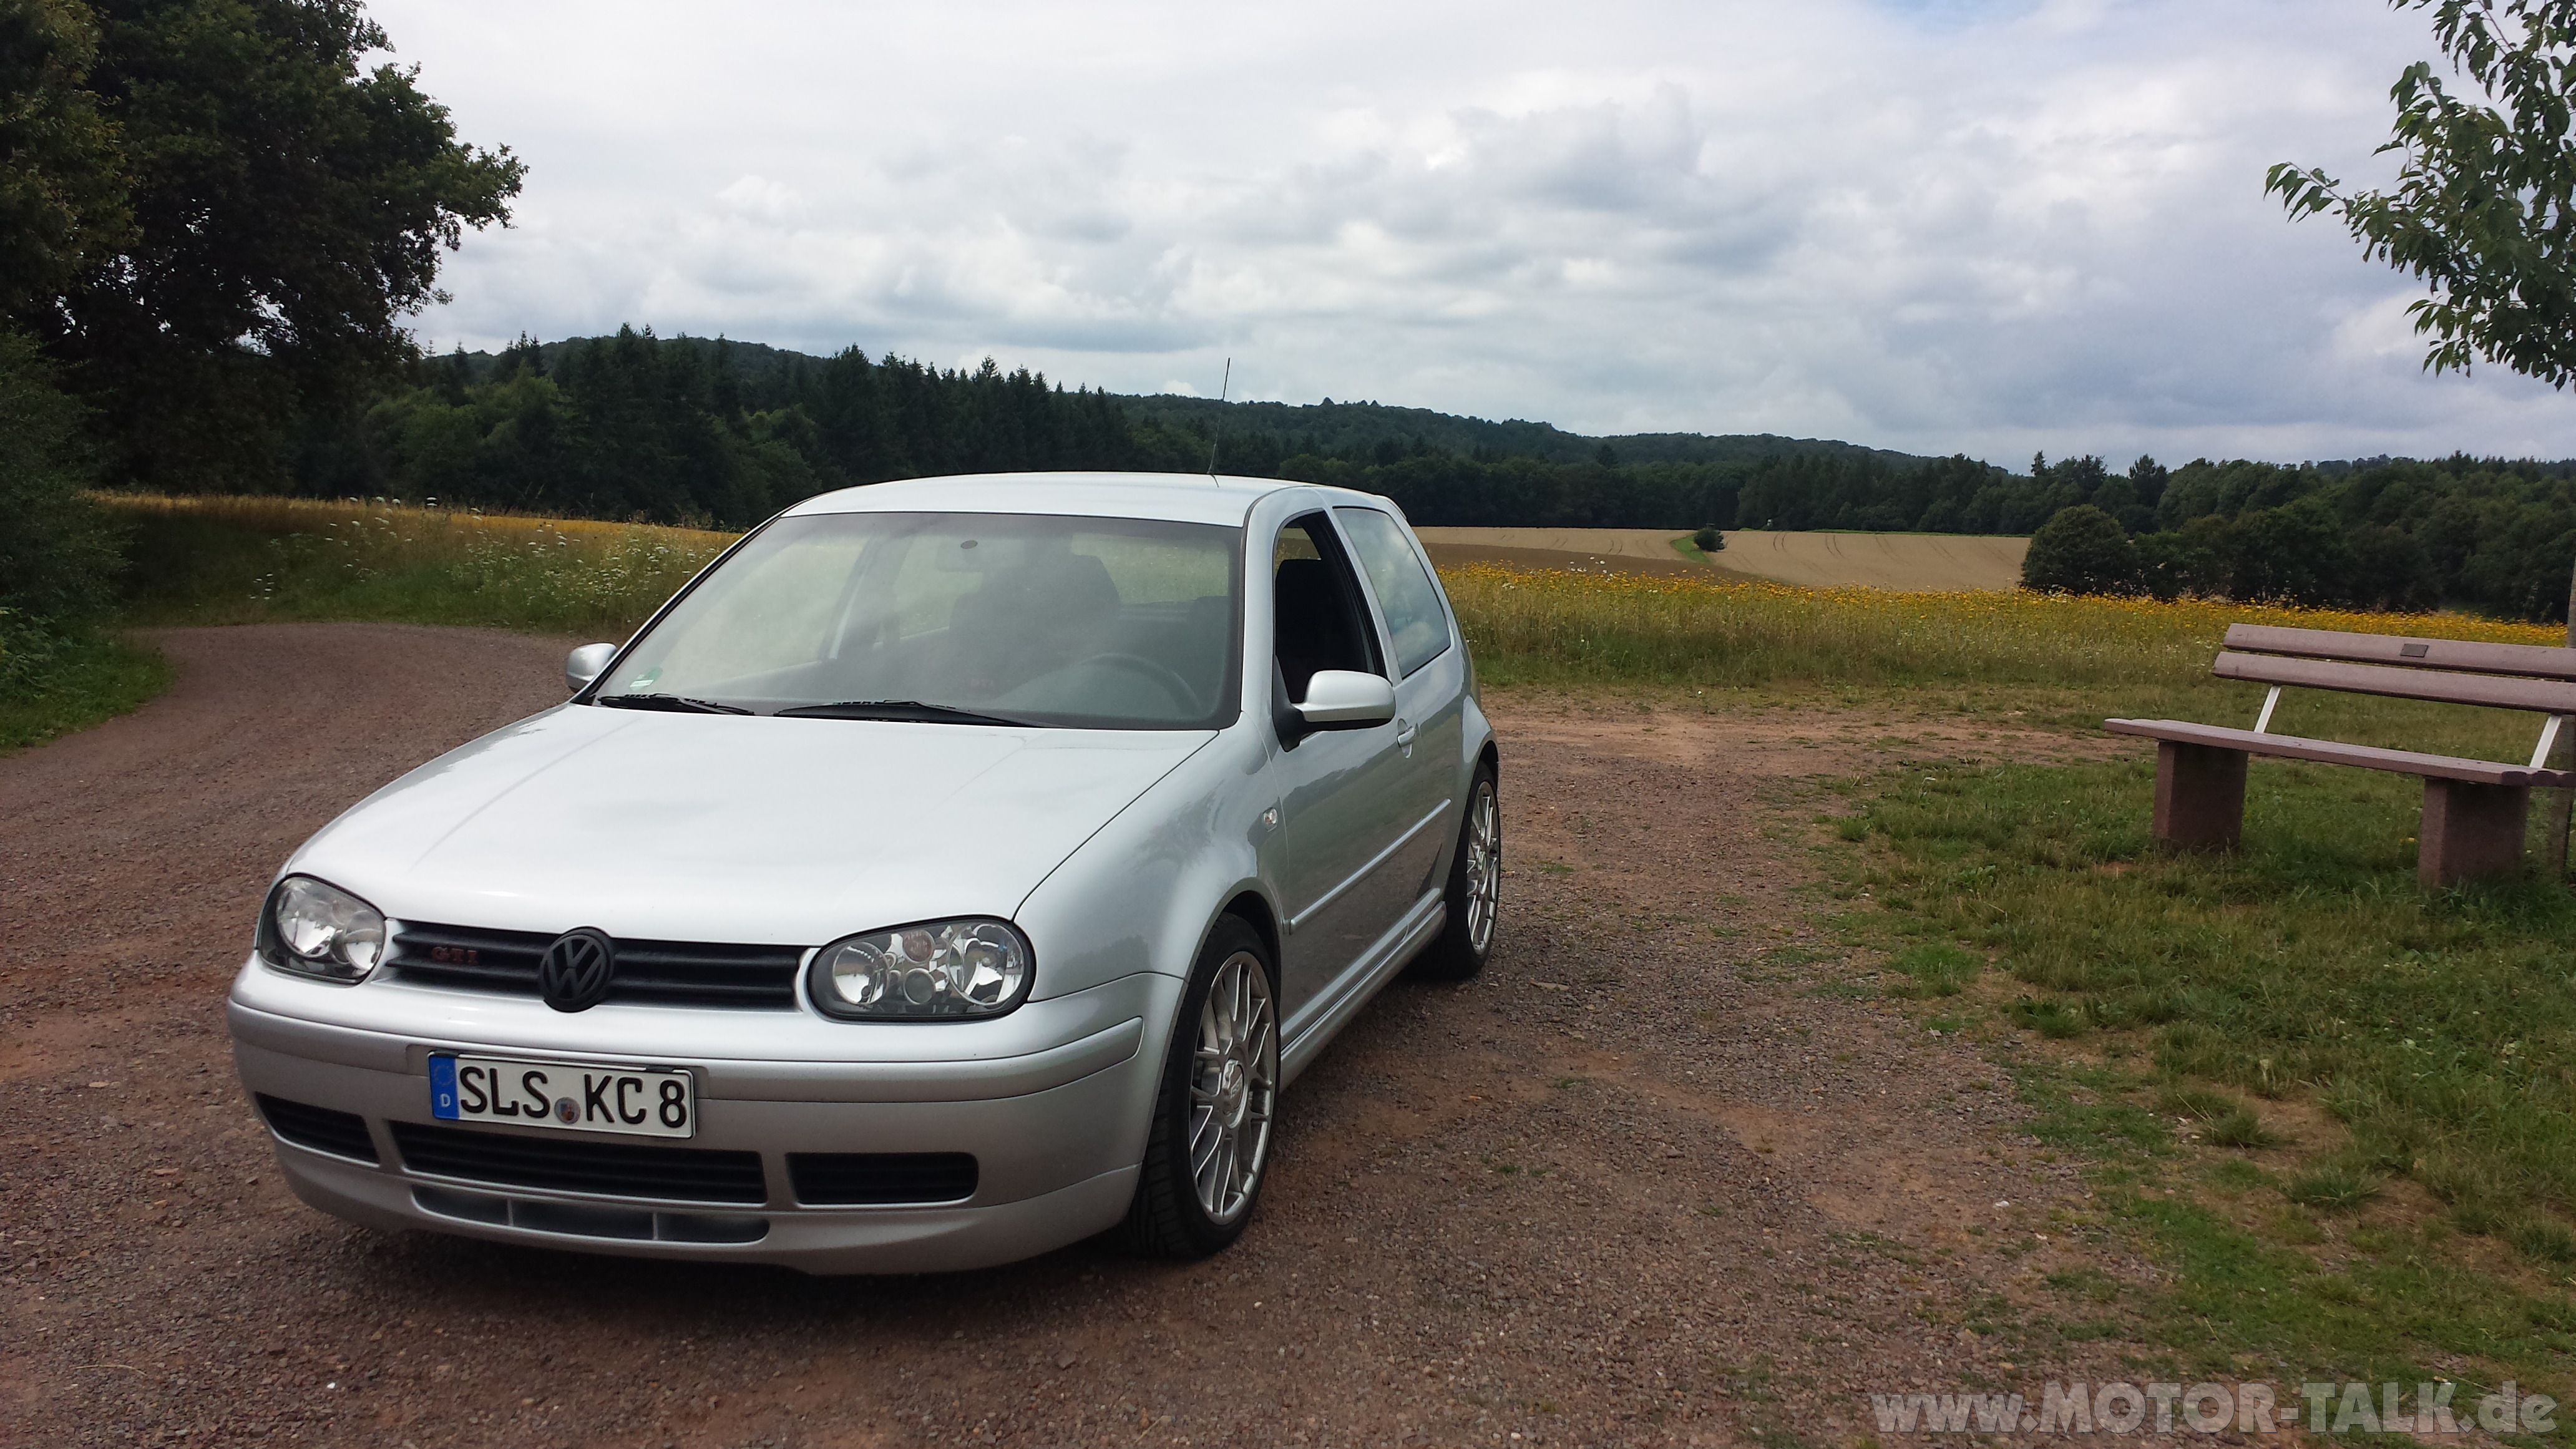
<point x="573" y="974"/>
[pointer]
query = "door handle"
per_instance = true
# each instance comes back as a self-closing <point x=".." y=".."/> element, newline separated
<point x="1404" y="732"/>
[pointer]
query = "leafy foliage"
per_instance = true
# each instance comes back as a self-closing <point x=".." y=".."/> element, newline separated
<point x="62" y="188"/>
<point x="2485" y="204"/>
<point x="270" y="214"/>
<point x="57" y="555"/>
<point x="2082" y="550"/>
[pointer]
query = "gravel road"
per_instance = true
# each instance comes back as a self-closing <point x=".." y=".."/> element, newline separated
<point x="1644" y="1182"/>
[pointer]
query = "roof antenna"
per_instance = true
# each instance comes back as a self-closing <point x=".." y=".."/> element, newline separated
<point x="1222" y="389"/>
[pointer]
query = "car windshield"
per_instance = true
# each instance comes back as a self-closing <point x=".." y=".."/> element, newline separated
<point x="971" y="618"/>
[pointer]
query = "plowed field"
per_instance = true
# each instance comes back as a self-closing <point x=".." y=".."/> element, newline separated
<point x="1908" y="561"/>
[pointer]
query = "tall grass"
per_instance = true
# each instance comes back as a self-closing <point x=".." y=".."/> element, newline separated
<point x="1565" y="626"/>
<point x="217" y="560"/>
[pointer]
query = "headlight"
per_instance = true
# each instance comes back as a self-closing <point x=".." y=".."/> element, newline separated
<point x="320" y="930"/>
<point x="938" y="970"/>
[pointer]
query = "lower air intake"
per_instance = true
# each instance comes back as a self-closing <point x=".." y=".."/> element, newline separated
<point x="342" y="1134"/>
<point x="870" y="1179"/>
<point x="609" y="1169"/>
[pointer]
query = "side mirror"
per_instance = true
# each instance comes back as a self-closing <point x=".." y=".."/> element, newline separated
<point x="1342" y="699"/>
<point x="583" y="665"/>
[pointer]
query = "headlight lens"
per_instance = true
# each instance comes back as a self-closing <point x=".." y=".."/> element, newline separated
<point x="321" y="930"/>
<point x="939" y="970"/>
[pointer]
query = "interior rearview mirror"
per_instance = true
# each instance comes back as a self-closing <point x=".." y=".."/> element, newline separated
<point x="1342" y="699"/>
<point x="583" y="665"/>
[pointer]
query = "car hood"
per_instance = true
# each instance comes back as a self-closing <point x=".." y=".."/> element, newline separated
<point x="744" y="829"/>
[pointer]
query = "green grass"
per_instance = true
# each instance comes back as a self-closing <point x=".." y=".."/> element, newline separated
<point x="250" y="560"/>
<point x="2439" y="1028"/>
<point x="2188" y="998"/>
<point x="71" y="684"/>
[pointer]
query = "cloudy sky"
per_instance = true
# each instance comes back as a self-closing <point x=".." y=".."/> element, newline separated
<point x="1990" y="226"/>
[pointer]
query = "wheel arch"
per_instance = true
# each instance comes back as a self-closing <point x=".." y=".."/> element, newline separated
<point x="1254" y="910"/>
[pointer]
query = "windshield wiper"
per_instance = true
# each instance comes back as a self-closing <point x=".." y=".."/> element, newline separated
<point x="907" y="710"/>
<point x="670" y="703"/>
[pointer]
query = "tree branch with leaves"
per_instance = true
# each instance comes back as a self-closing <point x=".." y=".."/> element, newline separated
<point x="2484" y="207"/>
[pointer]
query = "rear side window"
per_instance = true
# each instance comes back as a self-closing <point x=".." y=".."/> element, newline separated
<point x="1414" y="618"/>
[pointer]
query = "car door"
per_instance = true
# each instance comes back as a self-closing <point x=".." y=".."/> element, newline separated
<point x="1342" y="793"/>
<point x="1428" y="665"/>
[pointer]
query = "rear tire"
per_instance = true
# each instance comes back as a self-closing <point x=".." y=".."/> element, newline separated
<point x="1475" y="893"/>
<point x="1209" y="1151"/>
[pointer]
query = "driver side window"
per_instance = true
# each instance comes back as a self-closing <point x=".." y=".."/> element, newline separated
<point x="1318" y="620"/>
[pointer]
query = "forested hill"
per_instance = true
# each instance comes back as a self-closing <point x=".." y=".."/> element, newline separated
<point x="1266" y="433"/>
<point x="674" y="430"/>
<point x="1346" y="428"/>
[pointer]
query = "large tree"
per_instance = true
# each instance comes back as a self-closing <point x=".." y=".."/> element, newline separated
<point x="289" y="204"/>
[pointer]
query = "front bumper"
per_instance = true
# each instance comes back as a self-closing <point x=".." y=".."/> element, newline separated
<point x="1054" y="1108"/>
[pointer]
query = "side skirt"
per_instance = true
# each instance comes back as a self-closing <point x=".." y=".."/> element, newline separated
<point x="1337" y="1004"/>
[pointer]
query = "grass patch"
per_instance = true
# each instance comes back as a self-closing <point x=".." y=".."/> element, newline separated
<point x="2332" y="1188"/>
<point x="2433" y="1032"/>
<point x="2437" y="1028"/>
<point x="249" y="560"/>
<point x="1936" y="968"/>
<point x="53" y="687"/>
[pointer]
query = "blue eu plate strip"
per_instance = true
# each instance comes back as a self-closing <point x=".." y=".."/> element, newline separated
<point x="442" y="1087"/>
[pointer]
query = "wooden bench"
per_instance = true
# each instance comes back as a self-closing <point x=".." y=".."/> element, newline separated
<point x="2474" y="810"/>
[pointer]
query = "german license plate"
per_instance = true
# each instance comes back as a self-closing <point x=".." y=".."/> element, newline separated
<point x="563" y="1095"/>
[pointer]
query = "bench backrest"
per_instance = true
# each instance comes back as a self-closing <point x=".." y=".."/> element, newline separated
<point x="2539" y="661"/>
<point x="2531" y="677"/>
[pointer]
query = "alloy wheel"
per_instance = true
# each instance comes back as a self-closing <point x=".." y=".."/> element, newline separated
<point x="1484" y="867"/>
<point x="1234" y="1085"/>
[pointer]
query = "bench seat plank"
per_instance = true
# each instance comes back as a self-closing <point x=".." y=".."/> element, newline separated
<point x="2333" y="752"/>
<point x="2545" y="661"/>
<point x="2543" y="696"/>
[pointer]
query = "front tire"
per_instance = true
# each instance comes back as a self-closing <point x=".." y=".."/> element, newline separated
<point x="1209" y="1151"/>
<point x="1475" y="893"/>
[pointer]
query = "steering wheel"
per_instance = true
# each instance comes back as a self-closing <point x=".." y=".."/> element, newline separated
<point x="1154" y="669"/>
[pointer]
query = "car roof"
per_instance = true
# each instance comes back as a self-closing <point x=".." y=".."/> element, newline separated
<point x="1178" y="497"/>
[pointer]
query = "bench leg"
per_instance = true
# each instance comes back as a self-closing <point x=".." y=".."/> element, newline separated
<point x="2200" y="796"/>
<point x="2470" y="830"/>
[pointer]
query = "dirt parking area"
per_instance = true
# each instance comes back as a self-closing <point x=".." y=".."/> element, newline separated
<point x="1663" y="1175"/>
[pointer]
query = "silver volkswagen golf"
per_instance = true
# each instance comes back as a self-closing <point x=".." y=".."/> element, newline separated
<point x="953" y="870"/>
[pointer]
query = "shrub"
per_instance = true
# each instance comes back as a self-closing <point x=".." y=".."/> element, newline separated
<point x="1709" y="540"/>
<point x="57" y="554"/>
<point x="2082" y="550"/>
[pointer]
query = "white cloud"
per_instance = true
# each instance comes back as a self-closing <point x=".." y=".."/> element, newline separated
<point x="1957" y="225"/>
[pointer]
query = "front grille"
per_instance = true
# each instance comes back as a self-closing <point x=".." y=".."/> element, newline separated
<point x="671" y="973"/>
<point x="611" y="1169"/>
<point x="342" y="1134"/>
<point x="848" y="1179"/>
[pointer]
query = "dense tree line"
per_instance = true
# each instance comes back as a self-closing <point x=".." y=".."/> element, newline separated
<point x="632" y="426"/>
<point x="692" y="430"/>
<point x="2486" y="534"/>
<point x="688" y="429"/>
